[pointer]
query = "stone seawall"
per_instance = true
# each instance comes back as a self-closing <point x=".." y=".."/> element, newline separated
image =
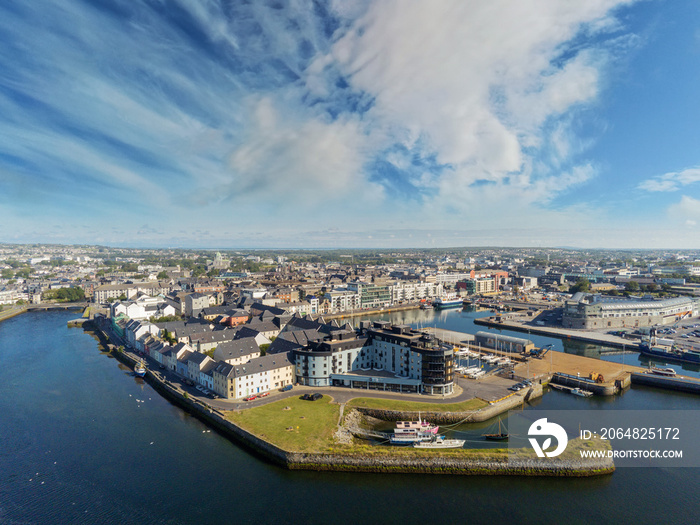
<point x="436" y="464"/>
<point x="451" y="418"/>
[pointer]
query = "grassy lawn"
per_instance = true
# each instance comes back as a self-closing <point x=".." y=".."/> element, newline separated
<point x="390" y="404"/>
<point x="313" y="423"/>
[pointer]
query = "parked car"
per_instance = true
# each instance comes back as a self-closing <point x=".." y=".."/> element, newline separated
<point x="312" y="397"/>
<point x="250" y="398"/>
<point x="188" y="382"/>
<point x="286" y="388"/>
<point x="264" y="394"/>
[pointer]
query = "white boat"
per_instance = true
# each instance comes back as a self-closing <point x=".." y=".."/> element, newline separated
<point x="580" y="392"/>
<point x="669" y="372"/>
<point x="440" y="442"/>
<point x="410" y="432"/>
<point x="140" y="369"/>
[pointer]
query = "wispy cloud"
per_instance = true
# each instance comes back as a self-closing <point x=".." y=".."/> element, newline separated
<point x="364" y="113"/>
<point x="672" y="181"/>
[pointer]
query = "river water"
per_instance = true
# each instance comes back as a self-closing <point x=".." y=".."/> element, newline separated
<point x="83" y="441"/>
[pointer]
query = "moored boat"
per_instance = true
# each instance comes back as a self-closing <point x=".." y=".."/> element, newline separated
<point x="409" y="432"/>
<point x="447" y="303"/>
<point x="581" y="392"/>
<point x="502" y="434"/>
<point x="652" y="347"/>
<point x="140" y="369"/>
<point x="659" y="371"/>
<point x="440" y="442"/>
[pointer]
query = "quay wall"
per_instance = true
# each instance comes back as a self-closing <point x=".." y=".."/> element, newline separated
<point x="601" y="389"/>
<point x="389" y="463"/>
<point x="669" y="383"/>
<point x="359" y="313"/>
<point x="7" y="314"/>
<point x="558" y="333"/>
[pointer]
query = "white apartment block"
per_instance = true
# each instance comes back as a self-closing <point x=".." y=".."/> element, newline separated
<point x="412" y="292"/>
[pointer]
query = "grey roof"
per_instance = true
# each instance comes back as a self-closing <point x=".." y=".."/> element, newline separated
<point x="236" y="349"/>
<point x="223" y="368"/>
<point x="262" y="326"/>
<point x="262" y="364"/>
<point x="197" y="357"/>
<point x="217" y="336"/>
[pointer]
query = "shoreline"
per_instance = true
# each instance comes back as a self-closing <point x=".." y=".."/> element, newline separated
<point x="388" y="462"/>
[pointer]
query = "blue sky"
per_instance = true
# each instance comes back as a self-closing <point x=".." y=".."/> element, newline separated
<point x="208" y="123"/>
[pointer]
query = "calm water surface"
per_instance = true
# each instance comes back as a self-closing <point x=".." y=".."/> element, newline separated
<point x="83" y="441"/>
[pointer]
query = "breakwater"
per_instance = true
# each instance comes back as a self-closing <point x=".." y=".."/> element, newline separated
<point x="680" y="384"/>
<point x="560" y="333"/>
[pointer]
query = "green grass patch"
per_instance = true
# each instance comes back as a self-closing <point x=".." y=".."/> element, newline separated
<point x="406" y="406"/>
<point x="312" y="422"/>
<point x="86" y="312"/>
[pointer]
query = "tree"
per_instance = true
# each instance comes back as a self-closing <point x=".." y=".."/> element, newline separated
<point x="162" y="275"/>
<point x="263" y="349"/>
<point x="7" y="273"/>
<point x="632" y="286"/>
<point x="582" y="285"/>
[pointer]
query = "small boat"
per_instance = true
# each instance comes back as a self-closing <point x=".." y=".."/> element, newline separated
<point x="500" y="436"/>
<point x="440" y="442"/>
<point x="581" y="393"/>
<point x="140" y="369"/>
<point x="426" y="306"/>
<point x="669" y="372"/>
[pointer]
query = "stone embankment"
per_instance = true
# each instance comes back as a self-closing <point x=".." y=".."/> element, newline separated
<point x="451" y="418"/>
<point x="12" y="311"/>
<point x="436" y="464"/>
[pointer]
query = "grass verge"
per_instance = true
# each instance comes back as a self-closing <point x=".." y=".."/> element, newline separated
<point x="312" y="423"/>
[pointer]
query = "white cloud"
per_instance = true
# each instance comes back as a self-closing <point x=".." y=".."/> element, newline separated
<point x="476" y="81"/>
<point x="672" y="181"/>
<point x="685" y="211"/>
<point x="282" y="156"/>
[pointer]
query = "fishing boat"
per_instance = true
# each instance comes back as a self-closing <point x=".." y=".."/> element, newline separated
<point x="140" y="369"/>
<point x="502" y="434"/>
<point x="410" y="432"/>
<point x="666" y="349"/>
<point x="440" y="442"/>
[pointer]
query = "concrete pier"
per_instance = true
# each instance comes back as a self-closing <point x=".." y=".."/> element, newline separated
<point x="681" y="384"/>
